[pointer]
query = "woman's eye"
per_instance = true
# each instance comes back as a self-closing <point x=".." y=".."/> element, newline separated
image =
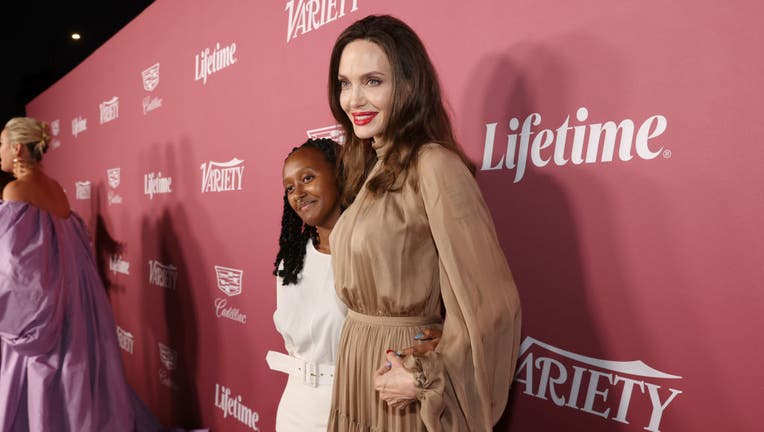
<point x="344" y="84"/>
<point x="373" y="82"/>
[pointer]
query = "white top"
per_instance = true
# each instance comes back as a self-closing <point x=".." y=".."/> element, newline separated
<point x="308" y="314"/>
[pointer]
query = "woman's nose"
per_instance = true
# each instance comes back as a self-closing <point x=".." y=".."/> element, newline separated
<point x="357" y="97"/>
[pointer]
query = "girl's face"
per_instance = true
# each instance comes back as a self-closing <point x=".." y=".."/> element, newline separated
<point x="310" y="182"/>
<point x="366" y="83"/>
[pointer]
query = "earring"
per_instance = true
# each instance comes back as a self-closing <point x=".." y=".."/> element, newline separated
<point x="18" y="169"/>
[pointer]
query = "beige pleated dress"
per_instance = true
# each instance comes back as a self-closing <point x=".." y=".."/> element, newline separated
<point x="395" y="256"/>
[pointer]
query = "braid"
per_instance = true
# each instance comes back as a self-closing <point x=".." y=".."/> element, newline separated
<point x="294" y="233"/>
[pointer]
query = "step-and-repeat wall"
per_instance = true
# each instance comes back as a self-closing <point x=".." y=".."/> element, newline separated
<point x="618" y="146"/>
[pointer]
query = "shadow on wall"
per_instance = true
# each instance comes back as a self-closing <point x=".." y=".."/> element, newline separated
<point x="105" y="245"/>
<point x="172" y="310"/>
<point x="537" y="229"/>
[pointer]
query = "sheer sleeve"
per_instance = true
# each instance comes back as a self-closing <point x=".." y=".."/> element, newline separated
<point x="481" y="333"/>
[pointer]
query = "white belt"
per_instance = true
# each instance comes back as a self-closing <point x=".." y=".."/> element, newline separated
<point x="312" y="374"/>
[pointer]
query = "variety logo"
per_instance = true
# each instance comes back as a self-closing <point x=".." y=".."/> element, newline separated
<point x="156" y="184"/>
<point x="547" y="372"/>
<point x="600" y="146"/>
<point x="83" y="190"/>
<point x="234" y="407"/>
<point x="126" y="340"/>
<point x="335" y="133"/>
<point x="118" y="265"/>
<point x="109" y="110"/>
<point x="208" y="63"/>
<point x="79" y="125"/>
<point x="222" y="176"/>
<point x="308" y="15"/>
<point x="162" y="275"/>
<point x="151" y="77"/>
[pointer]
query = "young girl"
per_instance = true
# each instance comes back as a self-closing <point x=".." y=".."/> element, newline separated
<point x="308" y="313"/>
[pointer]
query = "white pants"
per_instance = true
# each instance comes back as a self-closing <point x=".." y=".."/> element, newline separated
<point x="303" y="408"/>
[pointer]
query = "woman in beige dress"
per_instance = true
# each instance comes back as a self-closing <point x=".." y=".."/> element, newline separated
<point x="416" y="237"/>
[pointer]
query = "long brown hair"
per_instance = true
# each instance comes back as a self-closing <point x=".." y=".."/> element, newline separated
<point x="417" y="116"/>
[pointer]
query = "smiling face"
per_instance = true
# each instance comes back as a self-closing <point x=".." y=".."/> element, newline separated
<point x="310" y="182"/>
<point x="366" y="88"/>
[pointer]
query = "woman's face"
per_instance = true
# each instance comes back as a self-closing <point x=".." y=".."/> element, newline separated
<point x="310" y="183"/>
<point x="6" y="153"/>
<point x="366" y="83"/>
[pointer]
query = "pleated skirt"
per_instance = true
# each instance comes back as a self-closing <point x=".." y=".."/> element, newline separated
<point x="356" y="406"/>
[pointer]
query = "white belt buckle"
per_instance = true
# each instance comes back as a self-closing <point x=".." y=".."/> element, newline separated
<point x="311" y="374"/>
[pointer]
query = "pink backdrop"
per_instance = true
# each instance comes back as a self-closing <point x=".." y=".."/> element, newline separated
<point x="638" y="255"/>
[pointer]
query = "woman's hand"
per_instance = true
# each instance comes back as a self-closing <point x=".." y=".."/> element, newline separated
<point x="395" y="384"/>
<point x="428" y="338"/>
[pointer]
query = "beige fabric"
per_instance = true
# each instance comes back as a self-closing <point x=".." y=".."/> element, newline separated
<point x="396" y="255"/>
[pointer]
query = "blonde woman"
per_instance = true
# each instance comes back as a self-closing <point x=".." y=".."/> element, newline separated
<point x="60" y="366"/>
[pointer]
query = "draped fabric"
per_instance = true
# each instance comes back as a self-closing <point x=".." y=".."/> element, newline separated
<point x="60" y="365"/>
<point x="395" y="257"/>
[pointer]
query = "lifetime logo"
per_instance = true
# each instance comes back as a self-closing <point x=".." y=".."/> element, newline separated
<point x="79" y="125"/>
<point x="154" y="183"/>
<point x="544" y="377"/>
<point x="118" y="265"/>
<point x="208" y="63"/>
<point x="600" y="135"/>
<point x="232" y="405"/>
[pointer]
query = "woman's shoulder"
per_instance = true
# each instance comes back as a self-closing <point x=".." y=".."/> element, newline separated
<point x="434" y="157"/>
<point x="15" y="191"/>
<point x="47" y="196"/>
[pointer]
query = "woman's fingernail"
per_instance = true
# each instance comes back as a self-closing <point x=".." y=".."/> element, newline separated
<point x="419" y="335"/>
<point x="388" y="351"/>
<point x="389" y="365"/>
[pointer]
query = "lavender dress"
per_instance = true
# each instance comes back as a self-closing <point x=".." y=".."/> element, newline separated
<point x="60" y="365"/>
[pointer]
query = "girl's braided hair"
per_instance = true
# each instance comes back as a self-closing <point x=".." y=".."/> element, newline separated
<point x="294" y="233"/>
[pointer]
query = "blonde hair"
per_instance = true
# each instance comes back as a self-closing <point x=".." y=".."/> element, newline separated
<point x="32" y="133"/>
